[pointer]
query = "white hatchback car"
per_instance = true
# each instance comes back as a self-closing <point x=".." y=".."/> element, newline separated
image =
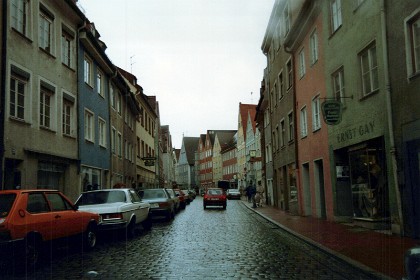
<point x="118" y="208"/>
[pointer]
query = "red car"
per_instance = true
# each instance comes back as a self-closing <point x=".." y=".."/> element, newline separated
<point x="214" y="197"/>
<point x="30" y="218"/>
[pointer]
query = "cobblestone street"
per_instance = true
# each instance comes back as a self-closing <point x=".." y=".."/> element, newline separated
<point x="234" y="243"/>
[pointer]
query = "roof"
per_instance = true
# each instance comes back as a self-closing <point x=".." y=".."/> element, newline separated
<point x="244" y="110"/>
<point x="191" y="146"/>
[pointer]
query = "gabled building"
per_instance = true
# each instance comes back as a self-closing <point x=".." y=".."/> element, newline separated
<point x="253" y="150"/>
<point x="167" y="156"/>
<point x="186" y="163"/>
<point x="39" y="88"/>
<point x="230" y="162"/>
<point x="221" y="140"/>
<point x="263" y="124"/>
<point x="126" y="122"/>
<point x="245" y="110"/>
<point x="147" y="166"/>
<point x="205" y="149"/>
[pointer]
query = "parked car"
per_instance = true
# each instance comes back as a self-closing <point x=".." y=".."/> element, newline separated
<point x="161" y="203"/>
<point x="233" y="194"/>
<point x="188" y="198"/>
<point x="182" y="200"/>
<point x="412" y="264"/>
<point x="119" y="209"/>
<point x="214" y="197"/>
<point x="30" y="218"/>
<point x="174" y="198"/>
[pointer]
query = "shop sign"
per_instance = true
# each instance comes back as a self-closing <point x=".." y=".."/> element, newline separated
<point x="331" y="110"/>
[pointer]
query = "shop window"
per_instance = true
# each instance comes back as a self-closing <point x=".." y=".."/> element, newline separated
<point x="368" y="183"/>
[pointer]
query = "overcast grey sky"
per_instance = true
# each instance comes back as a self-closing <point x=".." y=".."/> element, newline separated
<point x="200" y="58"/>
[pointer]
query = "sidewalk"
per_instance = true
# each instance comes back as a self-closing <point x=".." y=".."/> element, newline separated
<point x="377" y="253"/>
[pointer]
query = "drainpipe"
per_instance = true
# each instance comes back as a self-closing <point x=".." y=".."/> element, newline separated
<point x="3" y="89"/>
<point x="392" y="151"/>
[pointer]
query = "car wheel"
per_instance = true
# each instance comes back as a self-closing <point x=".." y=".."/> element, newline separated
<point x="131" y="228"/>
<point x="224" y="206"/>
<point x="168" y="216"/>
<point x="33" y="251"/>
<point x="147" y="224"/>
<point x="204" y="206"/>
<point x="90" y="238"/>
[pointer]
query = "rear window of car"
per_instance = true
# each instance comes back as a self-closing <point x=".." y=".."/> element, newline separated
<point x="101" y="197"/>
<point x="6" y="202"/>
<point x="153" y="194"/>
<point x="214" y="192"/>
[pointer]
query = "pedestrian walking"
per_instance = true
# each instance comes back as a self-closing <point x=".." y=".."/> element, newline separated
<point x="259" y="197"/>
<point x="248" y="192"/>
<point x="253" y="193"/>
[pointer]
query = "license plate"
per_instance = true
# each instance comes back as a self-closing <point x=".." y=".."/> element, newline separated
<point x="154" y="205"/>
<point x="214" y="199"/>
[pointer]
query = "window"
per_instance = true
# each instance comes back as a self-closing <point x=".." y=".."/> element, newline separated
<point x="113" y="139"/>
<point x="316" y="113"/>
<point x="119" y="103"/>
<point x="413" y="26"/>
<point x="286" y="17"/>
<point x="45" y="30"/>
<point x="313" y="41"/>
<point x="18" y="90"/>
<point x="112" y="96"/>
<point x="369" y="70"/>
<point x="119" y="144"/>
<point x="336" y="20"/>
<point x="302" y="69"/>
<point x="19" y="15"/>
<point x="338" y="85"/>
<point x="45" y="107"/>
<point x="282" y="133"/>
<point x="291" y="126"/>
<point x="289" y="74"/>
<point x="102" y="132"/>
<point x="67" y="115"/>
<point x="281" y="85"/>
<point x="303" y="122"/>
<point x="275" y="92"/>
<point x="88" y="71"/>
<point x="99" y="83"/>
<point x="89" y="129"/>
<point x="66" y="48"/>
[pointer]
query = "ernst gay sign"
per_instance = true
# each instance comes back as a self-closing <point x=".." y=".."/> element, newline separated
<point x="331" y="110"/>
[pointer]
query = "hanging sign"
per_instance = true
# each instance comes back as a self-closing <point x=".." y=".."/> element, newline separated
<point x="331" y="110"/>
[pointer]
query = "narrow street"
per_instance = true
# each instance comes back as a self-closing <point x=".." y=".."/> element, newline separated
<point x="234" y="243"/>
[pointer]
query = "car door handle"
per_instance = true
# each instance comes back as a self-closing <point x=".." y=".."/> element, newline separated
<point x="58" y="216"/>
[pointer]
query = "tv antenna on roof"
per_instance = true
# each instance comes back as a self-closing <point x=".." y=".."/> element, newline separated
<point x="131" y="63"/>
<point x="252" y="101"/>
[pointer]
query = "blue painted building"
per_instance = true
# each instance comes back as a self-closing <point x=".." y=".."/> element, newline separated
<point x="94" y="73"/>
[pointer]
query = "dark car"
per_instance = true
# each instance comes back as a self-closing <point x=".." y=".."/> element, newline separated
<point x="161" y="203"/>
<point x="214" y="197"/>
<point x="175" y="198"/>
<point x="233" y="194"/>
<point x="29" y="219"/>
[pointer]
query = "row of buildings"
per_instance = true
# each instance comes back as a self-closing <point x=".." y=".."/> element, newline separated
<point x="69" y="118"/>
<point x="337" y="124"/>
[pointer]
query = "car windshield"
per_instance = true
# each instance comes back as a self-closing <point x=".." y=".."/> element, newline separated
<point x="6" y="202"/>
<point x="153" y="194"/>
<point x="101" y="197"/>
<point x="214" y="192"/>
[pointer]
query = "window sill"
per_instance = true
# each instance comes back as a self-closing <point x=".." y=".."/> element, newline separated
<point x="46" y="129"/>
<point x="365" y="96"/>
<point x="69" y="136"/>
<point x="23" y="36"/>
<point x="21" y="121"/>
<point x="47" y="53"/>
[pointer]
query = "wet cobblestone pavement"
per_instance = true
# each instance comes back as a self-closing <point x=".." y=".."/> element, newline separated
<point x="234" y="243"/>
